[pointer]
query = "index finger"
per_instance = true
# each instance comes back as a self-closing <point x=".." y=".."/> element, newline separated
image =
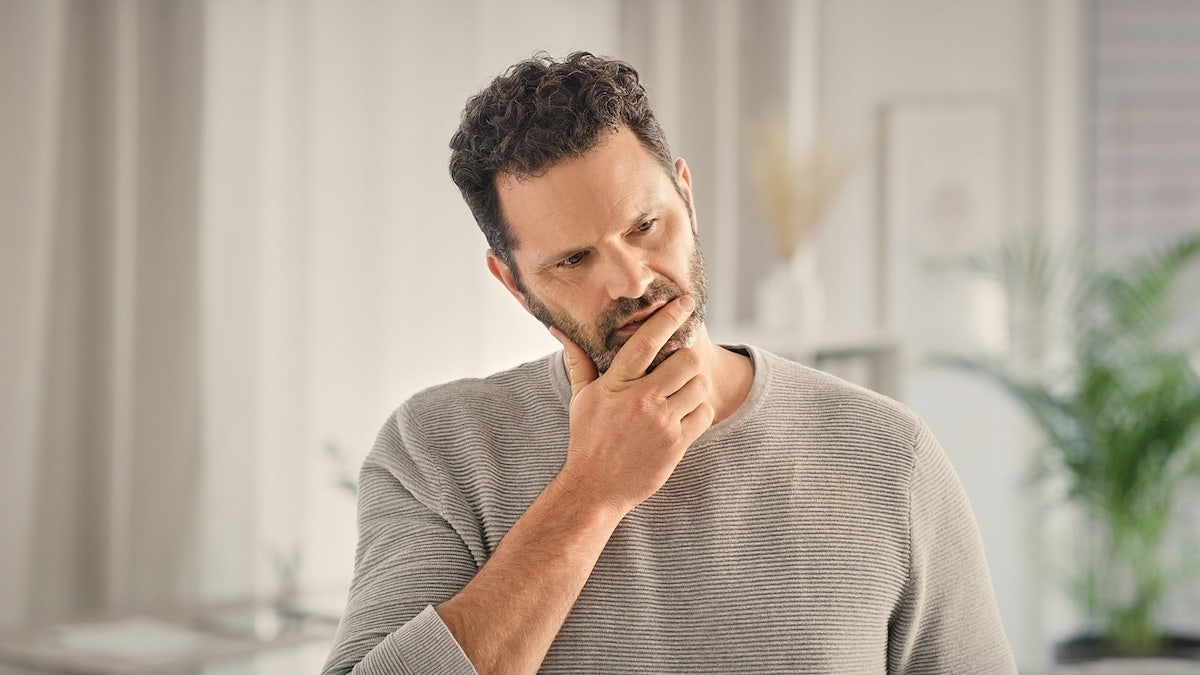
<point x="635" y="357"/>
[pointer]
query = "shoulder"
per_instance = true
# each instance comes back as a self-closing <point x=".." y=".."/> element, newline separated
<point x="836" y="427"/>
<point x="497" y="396"/>
<point x="461" y="421"/>
<point x="478" y="441"/>
<point x="832" y="400"/>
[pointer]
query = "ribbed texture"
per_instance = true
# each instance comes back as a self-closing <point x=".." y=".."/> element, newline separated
<point x="820" y="529"/>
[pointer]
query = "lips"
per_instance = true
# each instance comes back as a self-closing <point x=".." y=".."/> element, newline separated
<point x="637" y="319"/>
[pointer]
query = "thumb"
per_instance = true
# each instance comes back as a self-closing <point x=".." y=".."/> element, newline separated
<point x="580" y="369"/>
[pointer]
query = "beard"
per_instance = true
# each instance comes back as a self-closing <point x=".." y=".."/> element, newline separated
<point x="601" y="341"/>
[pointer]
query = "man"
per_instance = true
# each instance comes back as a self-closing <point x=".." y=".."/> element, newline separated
<point x="646" y="500"/>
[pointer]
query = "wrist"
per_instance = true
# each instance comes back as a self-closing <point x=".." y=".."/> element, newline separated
<point x="580" y="499"/>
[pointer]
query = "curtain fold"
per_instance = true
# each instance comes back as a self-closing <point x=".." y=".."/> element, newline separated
<point x="105" y="451"/>
<point x="30" y="61"/>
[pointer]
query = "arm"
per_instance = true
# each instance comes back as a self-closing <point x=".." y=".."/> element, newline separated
<point x="948" y="621"/>
<point x="628" y="431"/>
<point x="508" y="615"/>
<point x="408" y="555"/>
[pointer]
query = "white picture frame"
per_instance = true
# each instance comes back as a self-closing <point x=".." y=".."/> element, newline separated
<point x="946" y="169"/>
<point x="947" y="183"/>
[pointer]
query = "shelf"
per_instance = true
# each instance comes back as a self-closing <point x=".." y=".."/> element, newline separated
<point x="799" y="347"/>
<point x="870" y="360"/>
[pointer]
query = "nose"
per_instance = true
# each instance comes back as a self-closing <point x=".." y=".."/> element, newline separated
<point x="627" y="275"/>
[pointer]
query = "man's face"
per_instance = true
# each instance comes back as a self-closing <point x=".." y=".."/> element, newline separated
<point x="612" y="328"/>
<point x="604" y="241"/>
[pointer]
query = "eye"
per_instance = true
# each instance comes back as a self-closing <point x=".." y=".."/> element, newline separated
<point x="573" y="260"/>
<point x="646" y="226"/>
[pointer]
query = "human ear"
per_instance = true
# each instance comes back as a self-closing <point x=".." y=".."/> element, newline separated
<point x="684" y="176"/>
<point x="505" y="276"/>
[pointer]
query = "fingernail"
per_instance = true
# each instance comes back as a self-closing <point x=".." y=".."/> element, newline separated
<point x="686" y="303"/>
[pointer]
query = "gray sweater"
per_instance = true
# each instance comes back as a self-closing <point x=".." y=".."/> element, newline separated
<point x="819" y="529"/>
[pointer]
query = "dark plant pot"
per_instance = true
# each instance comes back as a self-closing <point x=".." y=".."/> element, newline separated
<point x="1093" y="647"/>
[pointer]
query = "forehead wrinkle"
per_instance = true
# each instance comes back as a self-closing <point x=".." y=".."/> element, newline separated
<point x="575" y="204"/>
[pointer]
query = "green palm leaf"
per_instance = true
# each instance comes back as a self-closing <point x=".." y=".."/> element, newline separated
<point x="1120" y="418"/>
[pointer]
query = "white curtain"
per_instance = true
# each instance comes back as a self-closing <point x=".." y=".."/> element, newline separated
<point x="229" y="242"/>
<point x="101" y="370"/>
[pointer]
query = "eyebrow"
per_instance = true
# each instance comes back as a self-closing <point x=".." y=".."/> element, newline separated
<point x="551" y="260"/>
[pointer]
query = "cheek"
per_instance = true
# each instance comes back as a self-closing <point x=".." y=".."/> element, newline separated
<point x="582" y="294"/>
<point x="681" y="262"/>
<point x="570" y="298"/>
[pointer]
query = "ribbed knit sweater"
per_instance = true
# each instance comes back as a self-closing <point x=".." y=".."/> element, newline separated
<point x="818" y="529"/>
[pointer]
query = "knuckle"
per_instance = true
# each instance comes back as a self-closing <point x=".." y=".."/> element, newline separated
<point x="641" y="343"/>
<point x="644" y="404"/>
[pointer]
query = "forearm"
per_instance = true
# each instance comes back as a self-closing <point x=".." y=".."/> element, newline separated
<point x="629" y="429"/>
<point x="507" y="616"/>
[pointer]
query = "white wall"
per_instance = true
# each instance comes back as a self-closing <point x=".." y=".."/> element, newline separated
<point x="879" y="53"/>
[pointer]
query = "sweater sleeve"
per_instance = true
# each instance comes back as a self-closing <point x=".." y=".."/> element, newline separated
<point x="408" y="559"/>
<point x="947" y="621"/>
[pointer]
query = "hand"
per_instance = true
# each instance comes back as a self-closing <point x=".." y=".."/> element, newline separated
<point x="629" y="429"/>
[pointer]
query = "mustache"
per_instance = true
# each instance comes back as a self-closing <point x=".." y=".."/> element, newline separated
<point x="621" y="309"/>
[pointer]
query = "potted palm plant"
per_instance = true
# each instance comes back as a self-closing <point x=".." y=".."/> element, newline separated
<point x="1118" y="408"/>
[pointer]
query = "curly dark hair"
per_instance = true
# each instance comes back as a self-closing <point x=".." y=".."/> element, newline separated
<point x="538" y="113"/>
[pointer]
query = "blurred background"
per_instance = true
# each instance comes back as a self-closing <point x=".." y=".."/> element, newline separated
<point x="230" y="247"/>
